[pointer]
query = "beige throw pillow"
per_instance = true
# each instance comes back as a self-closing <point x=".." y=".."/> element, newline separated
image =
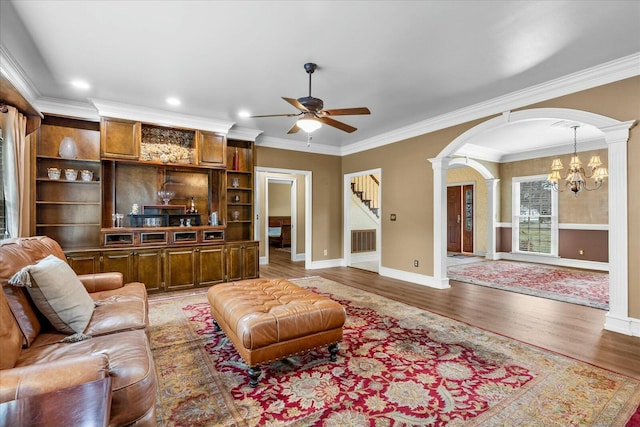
<point x="58" y="293"/>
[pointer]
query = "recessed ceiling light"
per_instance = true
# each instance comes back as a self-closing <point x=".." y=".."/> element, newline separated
<point x="173" y="101"/>
<point x="244" y="113"/>
<point x="80" y="84"/>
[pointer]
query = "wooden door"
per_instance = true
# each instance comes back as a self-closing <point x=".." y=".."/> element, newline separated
<point x="149" y="269"/>
<point x="211" y="265"/>
<point x="180" y="268"/>
<point x="454" y="218"/>
<point x="121" y="261"/>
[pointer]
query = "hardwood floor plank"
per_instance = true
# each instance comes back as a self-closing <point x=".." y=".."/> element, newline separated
<point x="570" y="329"/>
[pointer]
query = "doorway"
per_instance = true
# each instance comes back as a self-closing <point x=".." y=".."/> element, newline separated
<point x="460" y="218"/>
<point x="362" y="212"/>
<point x="300" y="183"/>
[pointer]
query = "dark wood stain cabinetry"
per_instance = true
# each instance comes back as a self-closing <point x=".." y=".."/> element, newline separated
<point x="215" y="173"/>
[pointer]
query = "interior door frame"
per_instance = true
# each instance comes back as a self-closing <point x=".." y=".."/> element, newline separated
<point x="261" y="228"/>
<point x="474" y="202"/>
<point x="346" y="216"/>
<point x="293" y="200"/>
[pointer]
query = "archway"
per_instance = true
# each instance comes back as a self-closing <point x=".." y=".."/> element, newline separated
<point x="616" y="135"/>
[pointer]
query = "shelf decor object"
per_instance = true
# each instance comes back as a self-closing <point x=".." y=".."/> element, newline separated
<point x="68" y="148"/>
<point x="166" y="196"/>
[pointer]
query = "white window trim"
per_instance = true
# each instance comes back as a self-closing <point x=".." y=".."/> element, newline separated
<point x="515" y="223"/>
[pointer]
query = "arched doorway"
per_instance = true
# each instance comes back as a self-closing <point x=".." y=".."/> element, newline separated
<point x="615" y="135"/>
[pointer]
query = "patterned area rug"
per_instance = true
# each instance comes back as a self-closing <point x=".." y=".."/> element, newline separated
<point x="584" y="287"/>
<point x="397" y="366"/>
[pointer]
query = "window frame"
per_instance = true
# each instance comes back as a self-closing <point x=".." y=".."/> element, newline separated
<point x="515" y="211"/>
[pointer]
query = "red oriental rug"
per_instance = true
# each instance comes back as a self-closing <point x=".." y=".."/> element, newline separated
<point x="397" y="366"/>
<point x="584" y="287"/>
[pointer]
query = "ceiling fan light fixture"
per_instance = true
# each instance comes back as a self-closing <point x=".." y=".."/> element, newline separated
<point x="308" y="123"/>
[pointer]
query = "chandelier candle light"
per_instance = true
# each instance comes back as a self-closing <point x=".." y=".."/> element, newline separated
<point x="576" y="178"/>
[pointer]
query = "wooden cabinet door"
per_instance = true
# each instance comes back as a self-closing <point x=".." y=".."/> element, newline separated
<point x="234" y="262"/>
<point x="212" y="148"/>
<point x="149" y="269"/>
<point x="119" y="139"/>
<point x="251" y="260"/>
<point x="121" y="261"/>
<point x="84" y="262"/>
<point x="210" y="265"/>
<point x="180" y="268"/>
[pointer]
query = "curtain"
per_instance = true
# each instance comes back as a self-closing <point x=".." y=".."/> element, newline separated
<point x="16" y="168"/>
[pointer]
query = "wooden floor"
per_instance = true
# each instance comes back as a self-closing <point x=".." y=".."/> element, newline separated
<point x="572" y="330"/>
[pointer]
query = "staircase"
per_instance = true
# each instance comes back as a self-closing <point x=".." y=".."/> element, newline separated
<point x="365" y="187"/>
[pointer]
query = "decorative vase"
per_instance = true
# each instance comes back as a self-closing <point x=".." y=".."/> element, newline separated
<point x="236" y="160"/>
<point x="68" y="149"/>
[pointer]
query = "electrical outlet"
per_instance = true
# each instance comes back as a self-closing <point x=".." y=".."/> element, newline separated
<point x="325" y="252"/>
<point x="415" y="263"/>
<point x="581" y="252"/>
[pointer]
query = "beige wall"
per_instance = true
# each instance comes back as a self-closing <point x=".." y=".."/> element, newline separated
<point x="589" y="207"/>
<point x="326" y="196"/>
<point x="481" y="220"/>
<point x="279" y="199"/>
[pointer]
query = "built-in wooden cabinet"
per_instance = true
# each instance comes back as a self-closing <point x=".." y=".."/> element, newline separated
<point x="130" y="162"/>
<point x="119" y="139"/>
<point x="68" y="208"/>
<point x="212" y="148"/>
<point x="239" y="215"/>
<point x="242" y="261"/>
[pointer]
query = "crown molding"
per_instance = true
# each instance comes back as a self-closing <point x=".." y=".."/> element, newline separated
<point x="287" y="144"/>
<point x="66" y="108"/>
<point x="12" y="71"/>
<point x="244" y="134"/>
<point x="120" y="110"/>
<point x="609" y="72"/>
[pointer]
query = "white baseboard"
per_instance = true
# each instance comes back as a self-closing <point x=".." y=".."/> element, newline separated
<point x="364" y="257"/>
<point x="419" y="279"/>
<point x="327" y="263"/>
<point x="623" y="325"/>
<point x="561" y="262"/>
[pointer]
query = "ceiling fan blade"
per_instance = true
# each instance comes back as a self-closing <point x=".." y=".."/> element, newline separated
<point x="336" y="124"/>
<point x="296" y="104"/>
<point x="294" y="128"/>
<point x="275" y="115"/>
<point x="346" y="111"/>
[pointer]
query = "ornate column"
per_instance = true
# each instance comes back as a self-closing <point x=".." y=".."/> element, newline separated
<point x="617" y="319"/>
<point x="440" y="167"/>
<point x="492" y="213"/>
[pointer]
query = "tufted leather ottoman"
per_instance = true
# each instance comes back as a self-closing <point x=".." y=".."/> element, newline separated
<point x="270" y="319"/>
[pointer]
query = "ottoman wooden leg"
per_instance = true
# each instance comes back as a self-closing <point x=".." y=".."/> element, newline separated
<point x="254" y="374"/>
<point x="333" y="351"/>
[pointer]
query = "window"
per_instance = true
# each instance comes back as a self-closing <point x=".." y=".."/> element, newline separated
<point x="535" y="216"/>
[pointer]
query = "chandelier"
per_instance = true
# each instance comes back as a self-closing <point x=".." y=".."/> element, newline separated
<point x="576" y="179"/>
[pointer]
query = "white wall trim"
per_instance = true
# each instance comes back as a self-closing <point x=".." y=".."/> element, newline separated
<point x="618" y="69"/>
<point x="622" y="325"/>
<point x="325" y="263"/>
<point x="14" y="73"/>
<point x="416" y="278"/>
<point x="346" y="215"/>
<point x="553" y="260"/>
<point x="568" y="226"/>
<point x="121" y="110"/>
<point x="308" y="197"/>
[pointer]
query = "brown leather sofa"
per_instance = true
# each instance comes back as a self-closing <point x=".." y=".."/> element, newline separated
<point x="34" y="360"/>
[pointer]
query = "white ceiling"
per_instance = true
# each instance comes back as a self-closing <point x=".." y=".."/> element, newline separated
<point x="408" y="61"/>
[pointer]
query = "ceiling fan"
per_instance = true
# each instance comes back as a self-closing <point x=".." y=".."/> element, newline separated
<point x="312" y="112"/>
